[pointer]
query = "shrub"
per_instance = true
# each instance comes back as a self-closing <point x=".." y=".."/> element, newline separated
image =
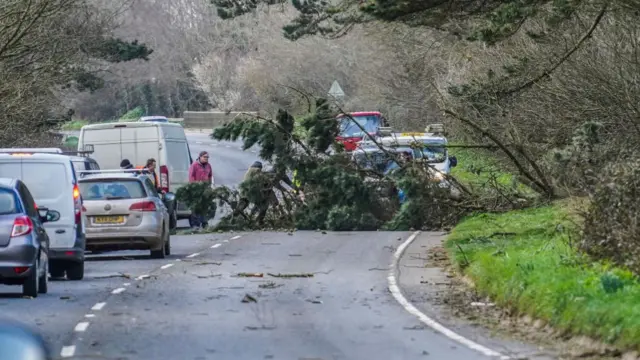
<point x="612" y="222"/>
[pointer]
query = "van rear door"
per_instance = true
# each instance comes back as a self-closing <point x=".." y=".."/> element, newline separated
<point x="51" y="186"/>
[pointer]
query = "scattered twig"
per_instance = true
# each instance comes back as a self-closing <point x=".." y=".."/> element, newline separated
<point x="250" y="275"/>
<point x="126" y="276"/>
<point x="466" y="259"/>
<point x="375" y="268"/>
<point x="270" y="285"/>
<point x="248" y="298"/>
<point x="289" y="276"/>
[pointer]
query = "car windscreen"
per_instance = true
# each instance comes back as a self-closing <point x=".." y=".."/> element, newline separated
<point x="7" y="202"/>
<point x="349" y="128"/>
<point x="432" y="153"/>
<point x="111" y="189"/>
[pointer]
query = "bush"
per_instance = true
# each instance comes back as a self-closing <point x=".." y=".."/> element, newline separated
<point x="612" y="222"/>
<point x="133" y="114"/>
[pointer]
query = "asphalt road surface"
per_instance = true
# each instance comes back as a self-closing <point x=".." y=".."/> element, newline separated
<point x="196" y="304"/>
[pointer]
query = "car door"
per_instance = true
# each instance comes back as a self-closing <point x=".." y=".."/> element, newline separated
<point x="32" y="212"/>
<point x="153" y="193"/>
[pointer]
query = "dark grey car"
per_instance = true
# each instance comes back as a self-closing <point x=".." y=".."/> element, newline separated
<point x="24" y="244"/>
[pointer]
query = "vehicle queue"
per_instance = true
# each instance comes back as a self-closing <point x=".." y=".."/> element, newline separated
<point x="56" y="205"/>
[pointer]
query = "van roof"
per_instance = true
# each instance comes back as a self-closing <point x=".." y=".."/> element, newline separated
<point x="37" y="156"/>
<point x="7" y="182"/>
<point x="138" y="124"/>
<point x="32" y="150"/>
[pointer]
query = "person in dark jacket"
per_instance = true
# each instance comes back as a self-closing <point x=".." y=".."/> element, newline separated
<point x="126" y="164"/>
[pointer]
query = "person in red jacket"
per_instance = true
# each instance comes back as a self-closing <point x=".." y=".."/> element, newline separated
<point x="200" y="171"/>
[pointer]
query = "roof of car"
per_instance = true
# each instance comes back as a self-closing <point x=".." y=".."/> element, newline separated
<point x="109" y="176"/>
<point x="38" y="156"/>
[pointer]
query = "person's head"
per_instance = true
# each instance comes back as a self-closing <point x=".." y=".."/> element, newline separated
<point x="203" y="157"/>
<point x="151" y="164"/>
<point x="257" y="165"/>
<point x="126" y="164"/>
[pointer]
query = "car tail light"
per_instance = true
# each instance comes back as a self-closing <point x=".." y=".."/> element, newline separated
<point x="77" y="202"/>
<point x="20" y="269"/>
<point x="164" y="178"/>
<point x="22" y="225"/>
<point x="143" y="206"/>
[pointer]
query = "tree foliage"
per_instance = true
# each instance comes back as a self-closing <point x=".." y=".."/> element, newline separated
<point x="338" y="193"/>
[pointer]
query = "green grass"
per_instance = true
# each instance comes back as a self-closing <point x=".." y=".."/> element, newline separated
<point x="74" y="125"/>
<point x="523" y="260"/>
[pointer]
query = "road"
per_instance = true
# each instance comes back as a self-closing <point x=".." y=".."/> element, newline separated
<point x="195" y="305"/>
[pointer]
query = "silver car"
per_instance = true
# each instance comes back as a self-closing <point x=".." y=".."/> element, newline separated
<point x="124" y="211"/>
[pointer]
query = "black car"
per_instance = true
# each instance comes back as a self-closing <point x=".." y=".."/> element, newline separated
<point x="82" y="163"/>
<point x="24" y="243"/>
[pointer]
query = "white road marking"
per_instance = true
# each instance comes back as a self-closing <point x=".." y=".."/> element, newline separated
<point x="193" y="255"/>
<point x="82" y="326"/>
<point x="68" y="351"/>
<point x="166" y="266"/>
<point x="236" y="237"/>
<point x="225" y="241"/>
<point x="90" y="316"/>
<point x="397" y="294"/>
<point x="142" y="277"/>
<point x="99" y="306"/>
<point x="216" y="246"/>
<point x="118" y="290"/>
<point x="126" y="284"/>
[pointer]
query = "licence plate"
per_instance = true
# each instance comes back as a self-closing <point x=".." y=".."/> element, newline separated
<point x="412" y="134"/>
<point x="108" y="219"/>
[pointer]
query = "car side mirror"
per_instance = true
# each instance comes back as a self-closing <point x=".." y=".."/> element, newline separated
<point x="47" y="215"/>
<point x="453" y="161"/>
<point x="170" y="197"/>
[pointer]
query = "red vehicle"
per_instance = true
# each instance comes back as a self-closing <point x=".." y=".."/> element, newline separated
<point x="351" y="134"/>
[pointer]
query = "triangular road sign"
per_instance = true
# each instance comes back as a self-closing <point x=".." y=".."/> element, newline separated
<point x="336" y="91"/>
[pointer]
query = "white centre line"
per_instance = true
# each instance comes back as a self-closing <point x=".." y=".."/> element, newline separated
<point x="166" y="266"/>
<point x="142" y="277"/>
<point x="118" y="290"/>
<point x="82" y="326"/>
<point x="68" y="351"/>
<point x="225" y="241"/>
<point x="235" y="237"/>
<point x="90" y="316"/>
<point x="193" y="255"/>
<point x="126" y="284"/>
<point x="216" y="246"/>
<point x="99" y="306"/>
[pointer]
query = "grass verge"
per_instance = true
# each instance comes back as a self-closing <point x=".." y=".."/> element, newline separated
<point x="526" y="260"/>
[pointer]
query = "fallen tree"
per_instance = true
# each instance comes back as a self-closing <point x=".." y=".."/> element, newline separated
<point x="339" y="194"/>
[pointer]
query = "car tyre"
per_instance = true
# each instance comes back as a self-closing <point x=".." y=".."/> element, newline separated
<point x="30" y="286"/>
<point x="160" y="253"/>
<point x="43" y="282"/>
<point x="56" y="271"/>
<point x="173" y="220"/>
<point x="167" y="245"/>
<point x="75" y="271"/>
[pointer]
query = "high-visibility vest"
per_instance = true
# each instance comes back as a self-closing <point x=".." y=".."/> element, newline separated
<point x="155" y="176"/>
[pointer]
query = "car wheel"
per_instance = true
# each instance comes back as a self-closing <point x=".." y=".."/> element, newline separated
<point x="160" y="253"/>
<point x="75" y="271"/>
<point x="43" y="282"/>
<point x="56" y="271"/>
<point x="30" y="286"/>
<point x="167" y="245"/>
<point x="173" y="220"/>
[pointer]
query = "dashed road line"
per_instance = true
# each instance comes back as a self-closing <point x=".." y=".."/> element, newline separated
<point x="118" y="290"/>
<point x="394" y="289"/>
<point x="216" y="246"/>
<point x="126" y="284"/>
<point x="236" y="237"/>
<point x="166" y="266"/>
<point x="98" y="306"/>
<point x="68" y="351"/>
<point x="193" y="255"/>
<point x="142" y="277"/>
<point x="89" y="316"/>
<point x="81" y="326"/>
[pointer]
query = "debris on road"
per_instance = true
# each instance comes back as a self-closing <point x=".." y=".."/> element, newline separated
<point x="248" y="298"/>
<point x="295" y="254"/>
<point x="208" y="276"/>
<point x="289" y="276"/>
<point x="270" y="285"/>
<point x="250" y="274"/>
<point x="376" y="268"/>
<point x="314" y="301"/>
<point x="122" y="275"/>
<point x="415" y="327"/>
<point x="208" y="263"/>
<point x="263" y="327"/>
<point x="270" y="243"/>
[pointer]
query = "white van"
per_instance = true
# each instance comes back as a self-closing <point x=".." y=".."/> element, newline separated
<point x="52" y="181"/>
<point x="139" y="141"/>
